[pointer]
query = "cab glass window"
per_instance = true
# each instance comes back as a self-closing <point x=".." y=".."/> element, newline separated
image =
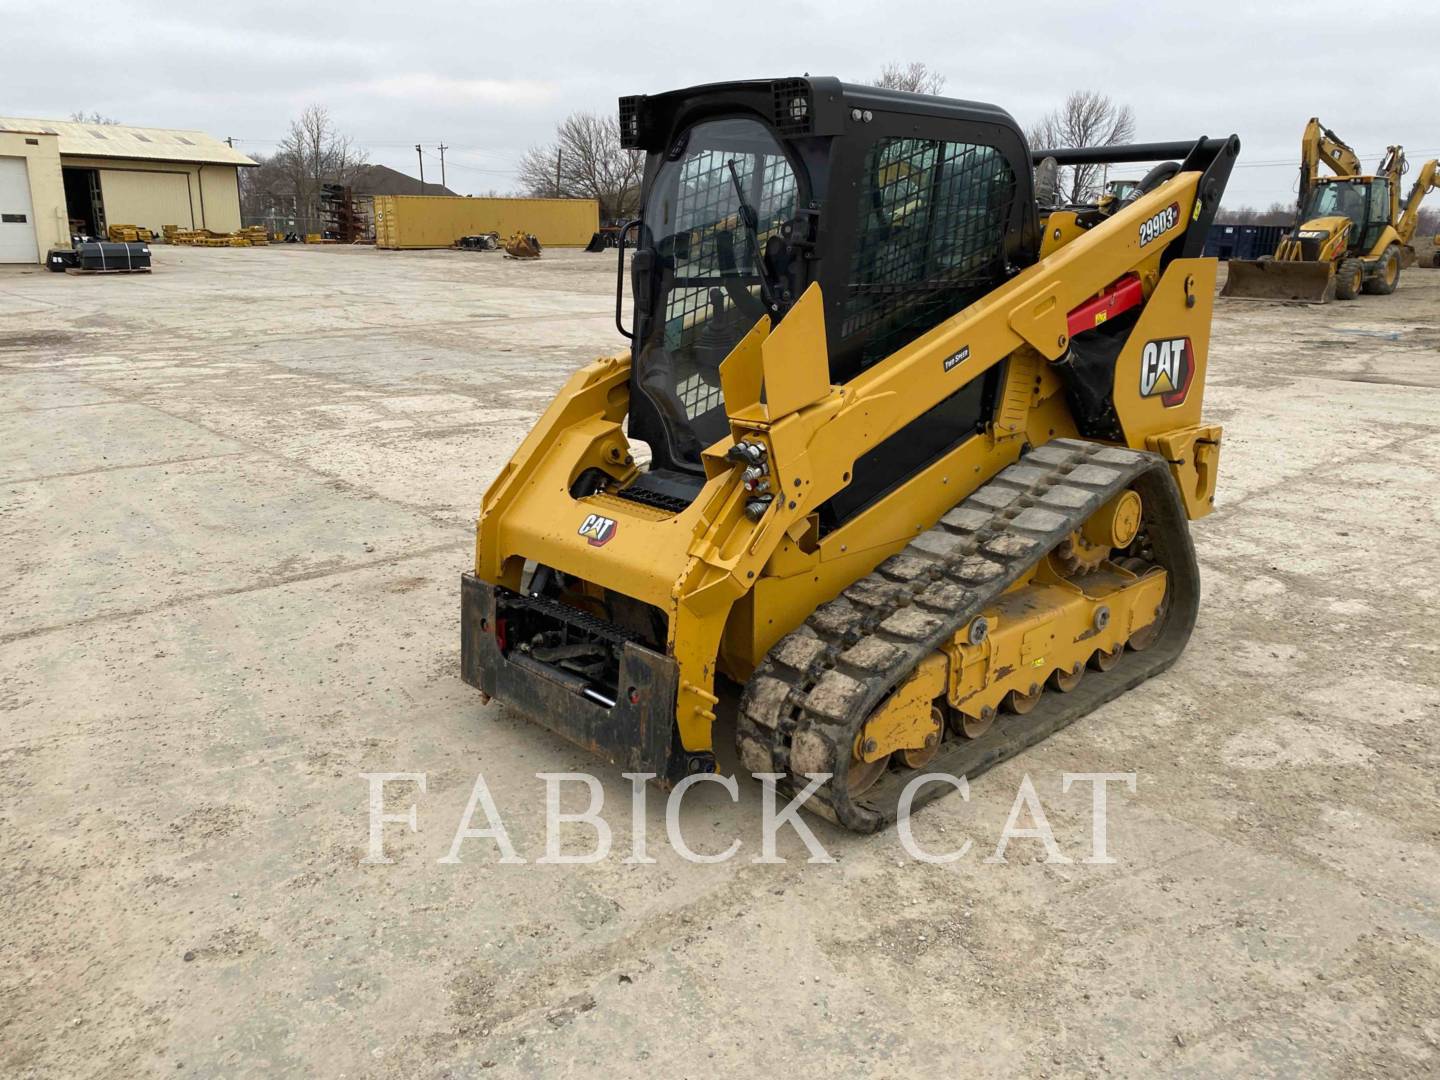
<point x="931" y="238"/>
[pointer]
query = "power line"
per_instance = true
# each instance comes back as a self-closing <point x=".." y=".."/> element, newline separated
<point x="476" y="168"/>
<point x="387" y="143"/>
<point x="1294" y="162"/>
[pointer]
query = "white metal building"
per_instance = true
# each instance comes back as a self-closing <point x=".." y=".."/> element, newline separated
<point x="109" y="174"/>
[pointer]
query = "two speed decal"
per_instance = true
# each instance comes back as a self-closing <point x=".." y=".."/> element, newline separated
<point x="957" y="358"/>
<point x="1160" y="224"/>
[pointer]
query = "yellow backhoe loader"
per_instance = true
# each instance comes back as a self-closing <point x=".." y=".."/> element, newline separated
<point x="918" y="450"/>
<point x="1352" y="232"/>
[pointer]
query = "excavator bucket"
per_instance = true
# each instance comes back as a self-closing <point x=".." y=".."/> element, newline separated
<point x="522" y="245"/>
<point x="1286" y="282"/>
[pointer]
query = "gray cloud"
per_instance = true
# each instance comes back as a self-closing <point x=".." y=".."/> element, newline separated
<point x="490" y="79"/>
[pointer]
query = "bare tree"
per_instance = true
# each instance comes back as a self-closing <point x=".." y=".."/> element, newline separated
<point x="586" y="161"/>
<point x="92" y="118"/>
<point x="1087" y="118"/>
<point x="915" y="77"/>
<point x="539" y="172"/>
<point x="287" y="183"/>
<point x="313" y="152"/>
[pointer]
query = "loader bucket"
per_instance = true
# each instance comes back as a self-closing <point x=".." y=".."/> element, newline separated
<point x="522" y="245"/>
<point x="1285" y="282"/>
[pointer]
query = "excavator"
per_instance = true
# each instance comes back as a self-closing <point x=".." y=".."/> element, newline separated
<point x="898" y="457"/>
<point x="1351" y="234"/>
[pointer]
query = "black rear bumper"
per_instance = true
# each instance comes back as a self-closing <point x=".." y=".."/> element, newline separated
<point x="637" y="732"/>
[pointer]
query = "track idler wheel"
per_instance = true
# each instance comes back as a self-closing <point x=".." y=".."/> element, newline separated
<point x="972" y="727"/>
<point x="1104" y="661"/>
<point x="864" y="774"/>
<point x="919" y="757"/>
<point x="1065" y="681"/>
<point x="1019" y="703"/>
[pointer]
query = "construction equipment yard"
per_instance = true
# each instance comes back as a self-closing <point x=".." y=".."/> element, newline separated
<point x="238" y="496"/>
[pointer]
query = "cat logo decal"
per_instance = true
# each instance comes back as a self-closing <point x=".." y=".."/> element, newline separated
<point x="1167" y="367"/>
<point x="598" y="530"/>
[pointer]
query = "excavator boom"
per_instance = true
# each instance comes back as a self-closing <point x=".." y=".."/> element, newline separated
<point x="1409" y="217"/>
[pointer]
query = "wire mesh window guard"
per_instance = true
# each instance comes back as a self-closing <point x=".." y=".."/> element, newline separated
<point x="714" y="257"/>
<point x="931" y="238"/>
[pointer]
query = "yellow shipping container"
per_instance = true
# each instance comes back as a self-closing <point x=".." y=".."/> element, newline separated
<point x="437" y="221"/>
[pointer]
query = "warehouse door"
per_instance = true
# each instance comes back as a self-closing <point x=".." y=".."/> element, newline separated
<point x="150" y="200"/>
<point x="17" y="216"/>
<point x="83" y="202"/>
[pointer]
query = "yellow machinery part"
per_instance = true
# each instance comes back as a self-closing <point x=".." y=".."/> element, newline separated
<point x="906" y="720"/>
<point x="1271" y="279"/>
<point x="521" y="246"/>
<point x="1115" y="524"/>
<point x="1050" y="625"/>
<point x="1194" y="457"/>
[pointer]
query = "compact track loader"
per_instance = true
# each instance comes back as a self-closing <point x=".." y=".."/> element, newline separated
<point x="1352" y="232"/>
<point x="922" y="455"/>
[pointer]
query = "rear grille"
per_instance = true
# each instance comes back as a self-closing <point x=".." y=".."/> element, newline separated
<point x="581" y="652"/>
<point x="658" y="501"/>
<point x="630" y="121"/>
<point x="793" y="107"/>
<point x="552" y="611"/>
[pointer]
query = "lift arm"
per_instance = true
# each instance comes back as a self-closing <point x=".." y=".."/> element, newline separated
<point x="1392" y="167"/>
<point x="1426" y="182"/>
<point x="1321" y="145"/>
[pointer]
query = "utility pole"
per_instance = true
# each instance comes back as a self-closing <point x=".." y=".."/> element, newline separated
<point x="443" y="148"/>
<point x="230" y="142"/>
<point x="421" y="158"/>
<point x="559" y="154"/>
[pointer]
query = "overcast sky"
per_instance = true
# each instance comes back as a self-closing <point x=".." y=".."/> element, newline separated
<point x="490" y="79"/>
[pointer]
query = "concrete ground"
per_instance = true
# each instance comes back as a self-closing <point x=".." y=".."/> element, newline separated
<point x="237" y="497"/>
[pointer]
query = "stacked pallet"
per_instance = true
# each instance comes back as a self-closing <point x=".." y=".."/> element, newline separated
<point x="256" y="234"/>
<point x="205" y="238"/>
<point x="129" y="234"/>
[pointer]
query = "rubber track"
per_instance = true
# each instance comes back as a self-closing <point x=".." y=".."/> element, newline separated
<point x="804" y="706"/>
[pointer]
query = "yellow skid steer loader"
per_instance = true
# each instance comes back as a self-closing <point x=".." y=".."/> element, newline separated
<point x="921" y="455"/>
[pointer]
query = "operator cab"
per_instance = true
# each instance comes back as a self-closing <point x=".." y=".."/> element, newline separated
<point x="905" y="208"/>
<point x="1363" y="200"/>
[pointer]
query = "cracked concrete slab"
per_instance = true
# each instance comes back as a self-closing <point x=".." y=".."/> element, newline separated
<point x="230" y="588"/>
